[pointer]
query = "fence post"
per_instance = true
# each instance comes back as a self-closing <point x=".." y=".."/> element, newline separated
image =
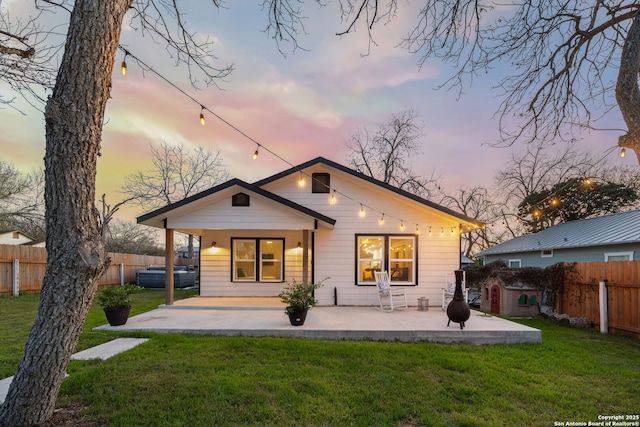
<point x="121" y="274"/>
<point x="604" y="313"/>
<point x="16" y="278"/>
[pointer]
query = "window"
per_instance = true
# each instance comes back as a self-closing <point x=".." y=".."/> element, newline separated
<point x="395" y="254"/>
<point x="258" y="260"/>
<point x="546" y="253"/>
<point x="515" y="263"/>
<point x="618" y="256"/>
<point x="240" y="199"/>
<point x="320" y="182"/>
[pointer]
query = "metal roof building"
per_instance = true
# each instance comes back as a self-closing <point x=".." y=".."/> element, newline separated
<point x="614" y="237"/>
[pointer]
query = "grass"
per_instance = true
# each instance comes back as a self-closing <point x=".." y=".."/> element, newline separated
<point x="574" y="375"/>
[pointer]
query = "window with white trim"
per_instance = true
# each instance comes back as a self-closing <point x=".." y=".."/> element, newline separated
<point x="618" y="256"/>
<point x="396" y="254"/>
<point x="257" y="260"/>
<point x="515" y="263"/>
<point x="546" y="253"/>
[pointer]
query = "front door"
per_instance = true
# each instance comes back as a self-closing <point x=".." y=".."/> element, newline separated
<point x="495" y="299"/>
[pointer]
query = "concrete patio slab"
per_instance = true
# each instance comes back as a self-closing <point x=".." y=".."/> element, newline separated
<point x="198" y="316"/>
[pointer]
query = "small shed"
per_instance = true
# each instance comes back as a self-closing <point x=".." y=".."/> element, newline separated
<point x="507" y="298"/>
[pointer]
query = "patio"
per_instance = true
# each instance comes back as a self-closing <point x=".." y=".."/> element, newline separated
<point x="258" y="317"/>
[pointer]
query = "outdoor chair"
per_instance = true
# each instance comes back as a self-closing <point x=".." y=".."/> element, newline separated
<point x="389" y="297"/>
<point x="450" y="288"/>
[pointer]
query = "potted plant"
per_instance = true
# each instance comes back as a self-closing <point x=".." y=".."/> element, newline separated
<point x="115" y="302"/>
<point x="298" y="298"/>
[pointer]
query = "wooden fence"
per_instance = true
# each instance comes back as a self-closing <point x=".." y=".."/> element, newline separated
<point x="580" y="296"/>
<point x="32" y="261"/>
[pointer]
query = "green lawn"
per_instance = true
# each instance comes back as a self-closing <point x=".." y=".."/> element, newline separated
<point x="574" y="375"/>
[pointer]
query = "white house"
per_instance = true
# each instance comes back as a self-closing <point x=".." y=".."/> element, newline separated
<point x="314" y="221"/>
<point x="14" y="237"/>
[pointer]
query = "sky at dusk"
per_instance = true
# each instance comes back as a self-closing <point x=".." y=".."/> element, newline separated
<point x="301" y="106"/>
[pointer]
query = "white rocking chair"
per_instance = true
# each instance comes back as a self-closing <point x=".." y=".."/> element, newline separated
<point x="450" y="288"/>
<point x="389" y="297"/>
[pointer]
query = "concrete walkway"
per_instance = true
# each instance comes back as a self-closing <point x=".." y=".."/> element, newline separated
<point x="265" y="317"/>
<point x="102" y="351"/>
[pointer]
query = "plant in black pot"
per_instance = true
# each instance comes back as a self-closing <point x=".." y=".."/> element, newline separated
<point x="116" y="303"/>
<point x="298" y="298"/>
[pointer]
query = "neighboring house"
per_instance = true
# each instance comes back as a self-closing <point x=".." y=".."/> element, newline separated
<point x="14" y="237"/>
<point x="614" y="237"/>
<point x="183" y="252"/>
<point x="314" y="221"/>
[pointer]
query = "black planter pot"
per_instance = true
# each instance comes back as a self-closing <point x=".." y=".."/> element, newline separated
<point x="458" y="310"/>
<point x="117" y="316"/>
<point x="297" y="316"/>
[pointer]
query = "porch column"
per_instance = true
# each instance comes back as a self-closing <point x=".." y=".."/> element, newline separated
<point x="168" y="267"/>
<point x="305" y="257"/>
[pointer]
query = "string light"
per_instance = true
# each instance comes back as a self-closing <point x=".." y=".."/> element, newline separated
<point x="123" y="66"/>
<point x="202" y="121"/>
<point x="623" y="152"/>
<point x="301" y="180"/>
<point x="442" y="231"/>
<point x="332" y="198"/>
<point x="430" y="233"/>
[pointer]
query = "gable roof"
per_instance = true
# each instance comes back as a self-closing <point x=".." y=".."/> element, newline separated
<point x="614" y="229"/>
<point x="384" y="185"/>
<point x="155" y="217"/>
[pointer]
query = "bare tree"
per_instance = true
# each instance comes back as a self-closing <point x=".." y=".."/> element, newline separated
<point x="477" y="202"/>
<point x="176" y="174"/>
<point x="22" y="200"/>
<point x="131" y="238"/>
<point x="385" y="153"/>
<point x="563" y="55"/>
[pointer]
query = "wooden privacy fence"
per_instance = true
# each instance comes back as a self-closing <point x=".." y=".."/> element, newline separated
<point x="616" y="284"/>
<point x="25" y="266"/>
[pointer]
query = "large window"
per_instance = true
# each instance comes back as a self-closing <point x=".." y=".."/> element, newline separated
<point x="395" y="254"/>
<point x="256" y="260"/>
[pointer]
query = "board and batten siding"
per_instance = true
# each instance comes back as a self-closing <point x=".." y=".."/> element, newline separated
<point x="335" y="250"/>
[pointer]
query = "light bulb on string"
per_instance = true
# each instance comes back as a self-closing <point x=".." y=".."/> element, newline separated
<point x="381" y="220"/>
<point x="301" y="182"/>
<point x="202" y="120"/>
<point x="417" y="229"/>
<point x="401" y="225"/>
<point x="362" y="213"/>
<point x="623" y="152"/>
<point x="442" y="231"/>
<point x="255" y="153"/>
<point x="430" y="233"/>
<point x="123" y="66"/>
<point x="332" y="198"/>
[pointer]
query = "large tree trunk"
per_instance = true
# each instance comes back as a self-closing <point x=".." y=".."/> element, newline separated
<point x="76" y="253"/>
<point x="627" y="90"/>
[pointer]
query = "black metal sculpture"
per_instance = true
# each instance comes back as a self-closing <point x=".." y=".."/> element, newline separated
<point x="458" y="310"/>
